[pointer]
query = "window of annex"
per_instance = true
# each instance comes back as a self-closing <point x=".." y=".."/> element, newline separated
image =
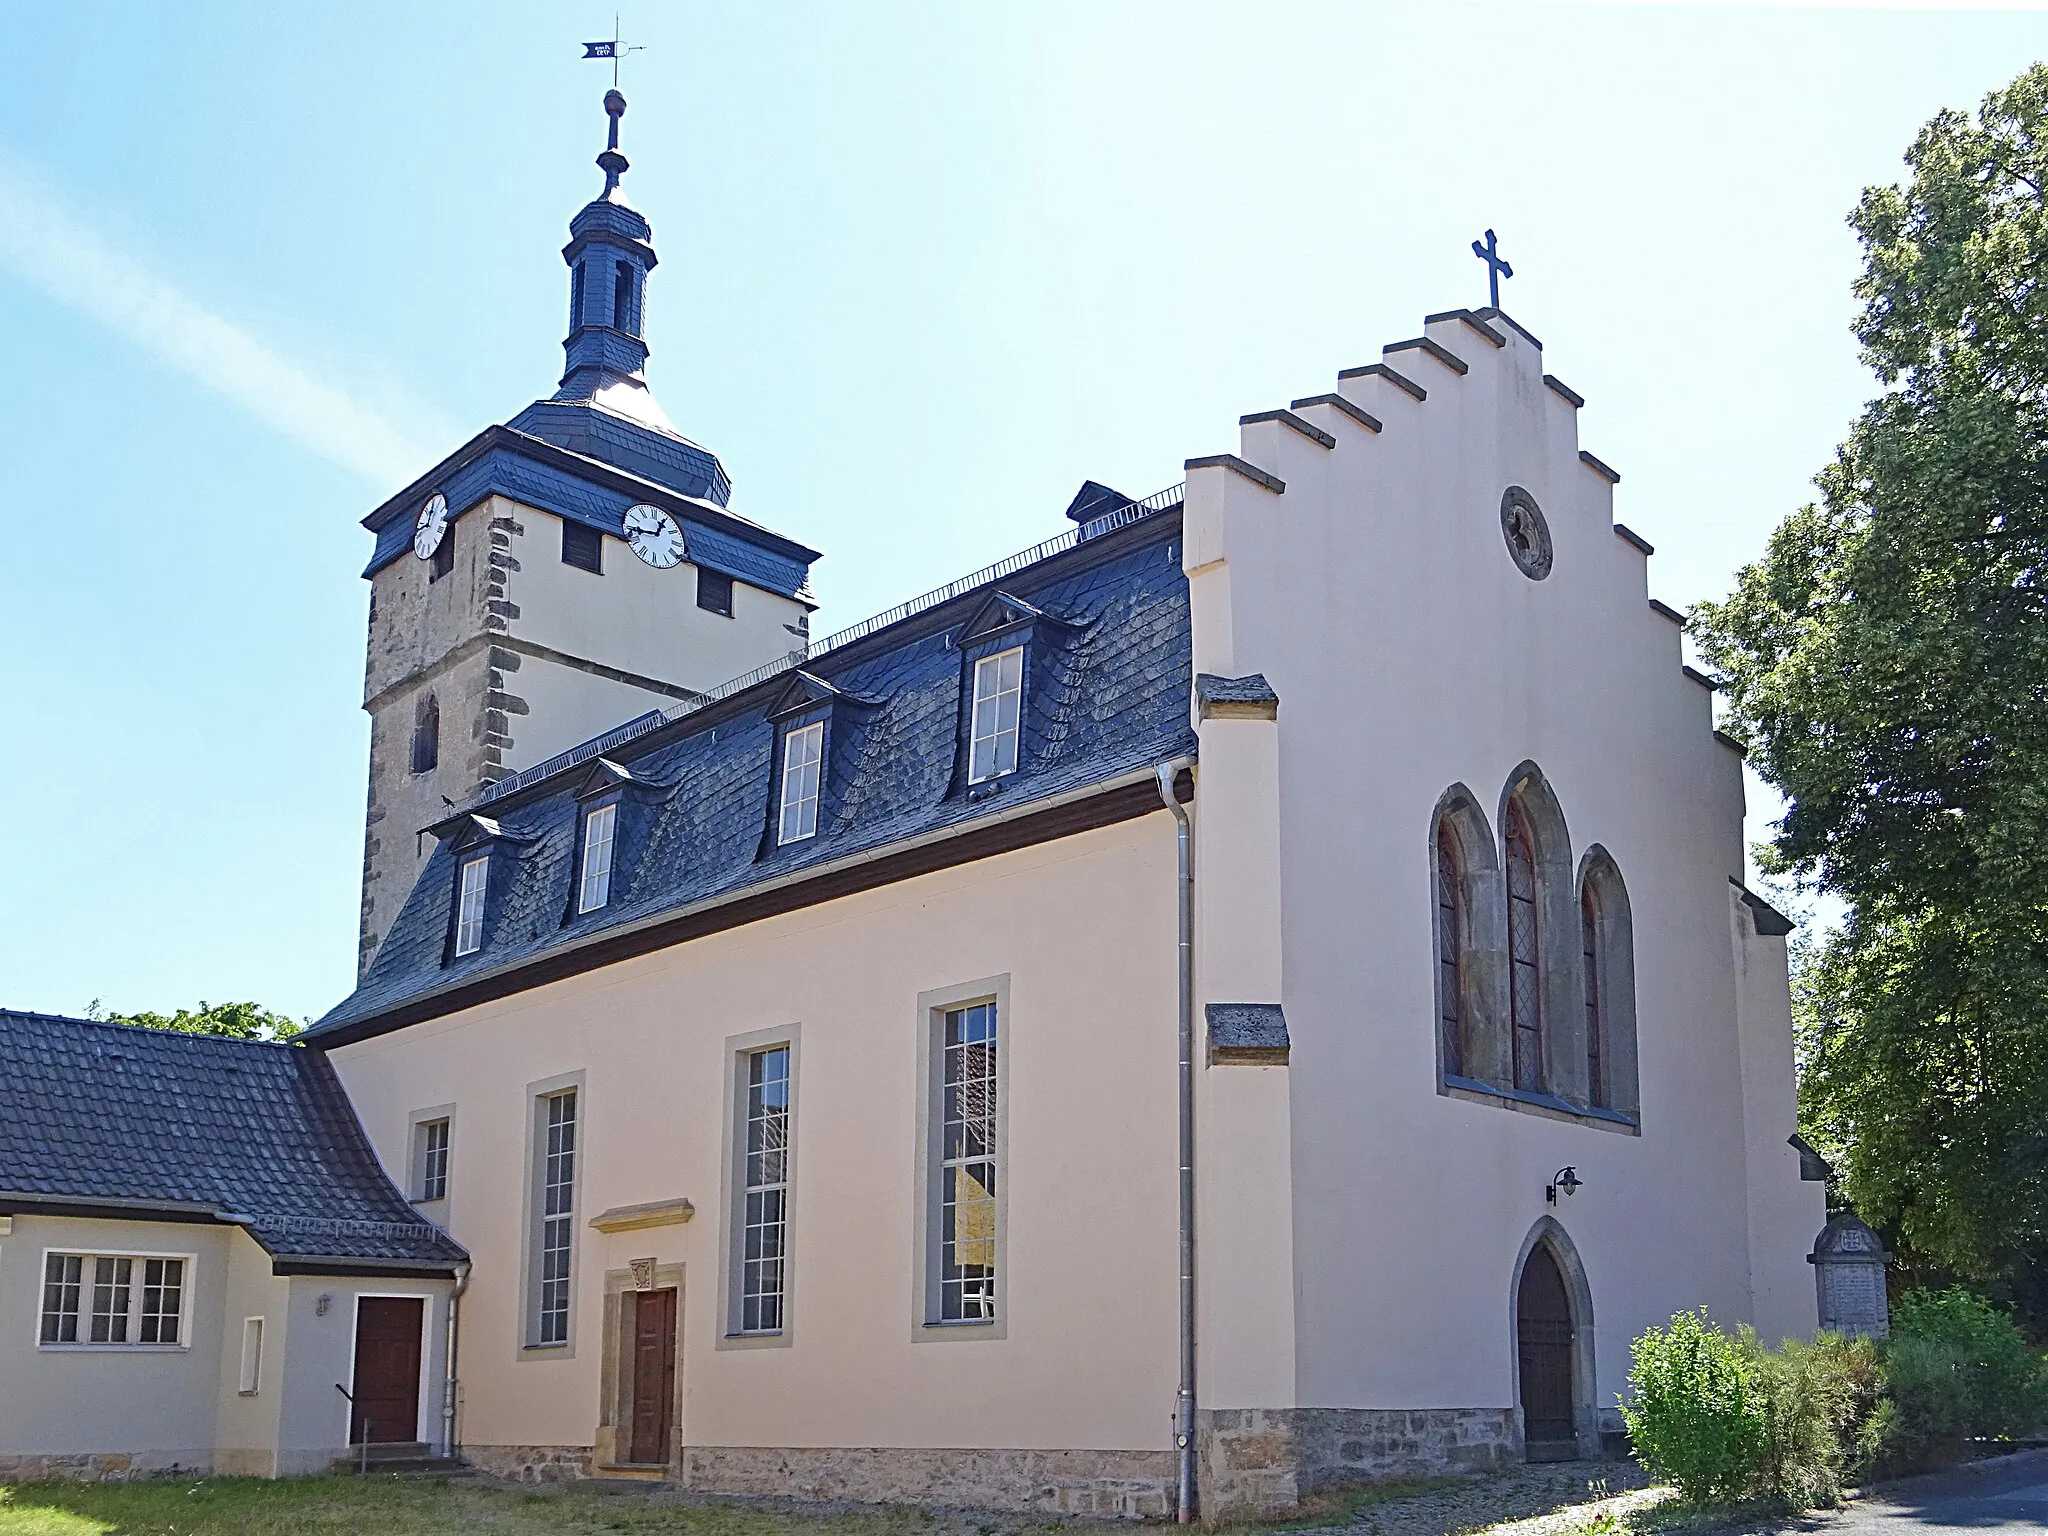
<point x="114" y="1301"/>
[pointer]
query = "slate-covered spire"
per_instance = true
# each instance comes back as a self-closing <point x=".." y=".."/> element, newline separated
<point x="610" y="252"/>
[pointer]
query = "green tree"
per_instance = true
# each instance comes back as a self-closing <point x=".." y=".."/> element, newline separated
<point x="1887" y="664"/>
<point x="242" y="1021"/>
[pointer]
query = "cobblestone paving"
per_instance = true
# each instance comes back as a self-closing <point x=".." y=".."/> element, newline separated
<point x="1543" y="1500"/>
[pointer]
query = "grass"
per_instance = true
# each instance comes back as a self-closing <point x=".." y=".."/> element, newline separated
<point x="325" y="1506"/>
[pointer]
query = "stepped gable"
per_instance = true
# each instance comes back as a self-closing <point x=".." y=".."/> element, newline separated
<point x="1109" y="697"/>
<point x="150" y="1124"/>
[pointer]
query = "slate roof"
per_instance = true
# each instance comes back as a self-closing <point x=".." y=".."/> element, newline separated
<point x="1107" y="685"/>
<point x="201" y="1128"/>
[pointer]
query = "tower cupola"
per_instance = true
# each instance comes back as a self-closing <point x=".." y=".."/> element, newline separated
<point x="610" y="252"/>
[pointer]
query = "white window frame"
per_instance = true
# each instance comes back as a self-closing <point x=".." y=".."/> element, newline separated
<point x="803" y="772"/>
<point x="541" y="1097"/>
<point x="594" y="869"/>
<point x="998" y="682"/>
<point x="133" y="1313"/>
<point x="770" y="1183"/>
<point x="929" y="1323"/>
<point x="425" y="1173"/>
<point x="249" y="1379"/>
<point x="472" y="884"/>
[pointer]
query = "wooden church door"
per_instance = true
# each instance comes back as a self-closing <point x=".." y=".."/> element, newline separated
<point x="1543" y="1341"/>
<point x="654" y="1375"/>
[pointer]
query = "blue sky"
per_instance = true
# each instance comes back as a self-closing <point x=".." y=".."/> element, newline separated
<point x="924" y="268"/>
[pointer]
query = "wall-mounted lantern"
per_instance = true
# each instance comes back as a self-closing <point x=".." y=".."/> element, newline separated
<point x="1565" y="1180"/>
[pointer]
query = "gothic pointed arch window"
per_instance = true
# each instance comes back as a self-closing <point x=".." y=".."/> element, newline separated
<point x="1525" y="961"/>
<point x="1451" y="924"/>
<point x="1589" y="938"/>
<point x="1464" y="869"/>
<point x="1607" y="975"/>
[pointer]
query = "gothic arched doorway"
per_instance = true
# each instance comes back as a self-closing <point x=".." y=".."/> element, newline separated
<point x="1543" y="1347"/>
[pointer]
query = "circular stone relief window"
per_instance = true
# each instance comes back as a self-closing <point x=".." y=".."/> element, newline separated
<point x="1527" y="534"/>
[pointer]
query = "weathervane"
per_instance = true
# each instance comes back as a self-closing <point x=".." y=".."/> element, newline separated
<point x="1496" y="265"/>
<point x="614" y="50"/>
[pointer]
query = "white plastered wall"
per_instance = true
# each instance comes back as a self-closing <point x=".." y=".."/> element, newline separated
<point x="1410" y="653"/>
<point x="1083" y="928"/>
<point x="157" y="1405"/>
<point x="634" y="617"/>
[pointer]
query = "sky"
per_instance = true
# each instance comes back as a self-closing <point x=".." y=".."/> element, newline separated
<point x="924" y="268"/>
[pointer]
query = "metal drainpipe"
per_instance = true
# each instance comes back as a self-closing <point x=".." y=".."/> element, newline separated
<point x="448" y="1445"/>
<point x="1185" y="1502"/>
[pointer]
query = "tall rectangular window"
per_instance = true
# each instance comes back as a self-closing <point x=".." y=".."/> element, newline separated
<point x="433" y="1160"/>
<point x="802" y="753"/>
<point x="112" y="1299"/>
<point x="998" y="694"/>
<point x="557" y="1217"/>
<point x="765" y="1191"/>
<point x="594" y="888"/>
<point x="969" y="1160"/>
<point x="469" y="904"/>
<point x="63" y="1277"/>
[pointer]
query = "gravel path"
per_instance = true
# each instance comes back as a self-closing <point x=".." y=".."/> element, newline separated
<point x="1543" y="1500"/>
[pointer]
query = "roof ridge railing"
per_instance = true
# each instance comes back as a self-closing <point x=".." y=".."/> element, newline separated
<point x="1122" y="517"/>
<point x="336" y="1226"/>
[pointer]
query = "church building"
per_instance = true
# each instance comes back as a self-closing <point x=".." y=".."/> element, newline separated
<point x="1253" y="992"/>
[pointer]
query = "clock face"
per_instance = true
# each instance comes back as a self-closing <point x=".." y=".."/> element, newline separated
<point x="432" y="527"/>
<point x="654" y="536"/>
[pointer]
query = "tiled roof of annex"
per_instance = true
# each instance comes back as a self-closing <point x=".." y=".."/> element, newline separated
<point x="1106" y="696"/>
<point x="153" y="1124"/>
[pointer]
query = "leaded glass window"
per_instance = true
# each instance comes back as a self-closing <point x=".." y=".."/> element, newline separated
<point x="1524" y="972"/>
<point x="1589" y="926"/>
<point x="764" y="1225"/>
<point x="968" y="1166"/>
<point x="1450" y="914"/>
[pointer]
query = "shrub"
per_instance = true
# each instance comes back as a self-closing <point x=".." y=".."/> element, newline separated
<point x="1957" y="1367"/>
<point x="1819" y="1402"/>
<point x="1695" y="1411"/>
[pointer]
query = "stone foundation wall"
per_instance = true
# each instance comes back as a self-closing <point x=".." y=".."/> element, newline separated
<point x="532" y="1463"/>
<point x="107" y="1467"/>
<point x="1128" y="1485"/>
<point x="1263" y="1460"/>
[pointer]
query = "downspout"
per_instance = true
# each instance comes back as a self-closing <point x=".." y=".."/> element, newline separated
<point x="448" y="1387"/>
<point x="1185" y="1502"/>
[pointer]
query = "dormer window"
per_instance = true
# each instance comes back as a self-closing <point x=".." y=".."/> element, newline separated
<point x="803" y="752"/>
<point x="594" y="884"/>
<point x="473" y="879"/>
<point x="998" y="696"/>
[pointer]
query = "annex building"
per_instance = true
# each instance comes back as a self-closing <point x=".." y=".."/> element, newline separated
<point x="1253" y="991"/>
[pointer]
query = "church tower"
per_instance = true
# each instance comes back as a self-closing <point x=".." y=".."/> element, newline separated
<point x="559" y="575"/>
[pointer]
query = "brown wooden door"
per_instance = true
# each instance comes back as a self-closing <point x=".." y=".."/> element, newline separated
<point x="1543" y="1340"/>
<point x="654" y="1375"/>
<point x="387" y="1377"/>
